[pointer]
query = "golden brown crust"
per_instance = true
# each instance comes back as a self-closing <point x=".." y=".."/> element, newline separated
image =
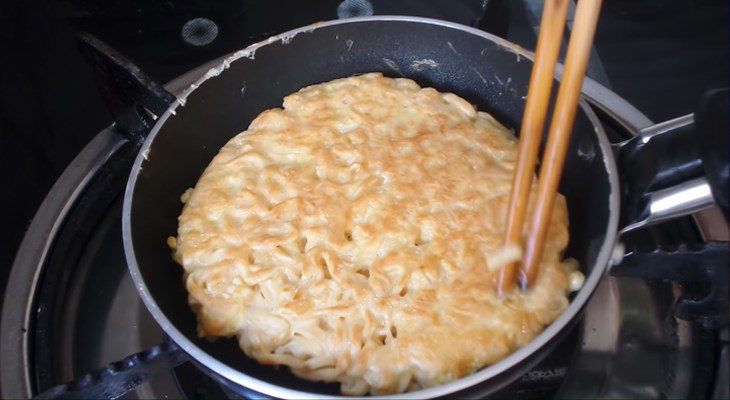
<point x="348" y="235"/>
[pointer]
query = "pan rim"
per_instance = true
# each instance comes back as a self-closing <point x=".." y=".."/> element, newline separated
<point x="580" y="300"/>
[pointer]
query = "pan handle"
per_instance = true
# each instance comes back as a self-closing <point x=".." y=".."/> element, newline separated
<point x="133" y="98"/>
<point x="673" y="169"/>
<point x="677" y="167"/>
<point x="120" y="377"/>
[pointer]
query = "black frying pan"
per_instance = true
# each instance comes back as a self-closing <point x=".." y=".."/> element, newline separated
<point x="487" y="71"/>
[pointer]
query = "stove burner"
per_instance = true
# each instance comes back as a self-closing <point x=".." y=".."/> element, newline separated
<point x="89" y="316"/>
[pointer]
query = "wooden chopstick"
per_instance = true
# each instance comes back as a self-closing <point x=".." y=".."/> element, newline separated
<point x="561" y="126"/>
<point x="538" y="96"/>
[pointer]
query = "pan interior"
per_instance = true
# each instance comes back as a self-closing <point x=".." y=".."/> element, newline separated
<point x="491" y="76"/>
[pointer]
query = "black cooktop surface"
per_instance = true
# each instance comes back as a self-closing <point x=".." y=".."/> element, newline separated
<point x="659" y="55"/>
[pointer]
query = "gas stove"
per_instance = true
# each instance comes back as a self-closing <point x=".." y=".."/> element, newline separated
<point x="70" y="306"/>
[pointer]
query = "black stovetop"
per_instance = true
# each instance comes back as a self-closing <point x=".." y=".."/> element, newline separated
<point x="653" y="53"/>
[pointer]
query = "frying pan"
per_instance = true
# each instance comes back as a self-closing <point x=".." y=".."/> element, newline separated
<point x="488" y="71"/>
